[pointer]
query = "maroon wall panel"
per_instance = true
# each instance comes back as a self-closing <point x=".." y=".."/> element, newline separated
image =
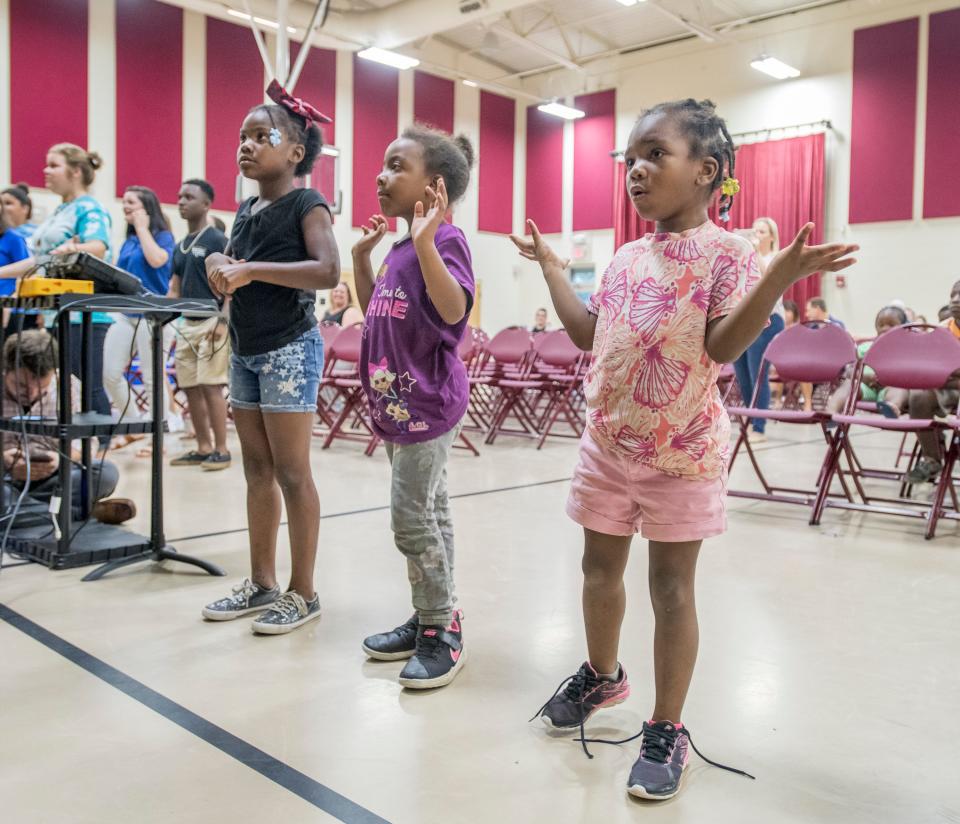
<point x="884" y="112"/>
<point x="941" y="184"/>
<point x="47" y="40"/>
<point x="497" y="121"/>
<point x="544" y="177"/>
<point x="433" y="101"/>
<point x="235" y="84"/>
<point x="149" y="97"/>
<point x="318" y="86"/>
<point x="593" y="180"/>
<point x="375" y="112"/>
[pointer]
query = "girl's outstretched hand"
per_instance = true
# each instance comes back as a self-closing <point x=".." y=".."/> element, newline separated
<point x="372" y="235"/>
<point x="537" y="249"/>
<point x="423" y="227"/>
<point x="799" y="260"/>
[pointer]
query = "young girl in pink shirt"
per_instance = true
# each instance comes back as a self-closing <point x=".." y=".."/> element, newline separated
<point x="671" y="308"/>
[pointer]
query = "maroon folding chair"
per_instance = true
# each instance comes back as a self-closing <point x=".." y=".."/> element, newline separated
<point x="346" y="383"/>
<point x="479" y="373"/>
<point x="563" y="365"/>
<point x="805" y="353"/>
<point x="326" y="394"/>
<point x="917" y="357"/>
<point x="511" y="363"/>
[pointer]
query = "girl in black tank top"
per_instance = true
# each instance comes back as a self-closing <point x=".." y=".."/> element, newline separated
<point x="281" y="251"/>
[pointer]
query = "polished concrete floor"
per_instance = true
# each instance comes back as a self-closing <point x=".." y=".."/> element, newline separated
<point x="829" y="667"/>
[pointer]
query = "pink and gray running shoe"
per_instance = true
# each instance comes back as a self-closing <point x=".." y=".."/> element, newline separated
<point x="580" y="695"/>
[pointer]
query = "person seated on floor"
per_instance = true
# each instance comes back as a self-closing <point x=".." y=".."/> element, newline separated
<point x="817" y="312"/>
<point x="936" y="403"/>
<point x="890" y="401"/>
<point x="30" y="389"/>
<point x="540" y="322"/>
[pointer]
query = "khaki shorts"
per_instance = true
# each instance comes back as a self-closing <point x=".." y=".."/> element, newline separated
<point x="200" y="361"/>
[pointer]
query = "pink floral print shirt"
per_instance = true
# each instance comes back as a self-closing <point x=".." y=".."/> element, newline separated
<point x="652" y="389"/>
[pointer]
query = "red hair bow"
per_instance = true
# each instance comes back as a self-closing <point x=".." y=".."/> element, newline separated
<point x="282" y="97"/>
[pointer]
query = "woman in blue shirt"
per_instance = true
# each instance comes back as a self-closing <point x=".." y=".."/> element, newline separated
<point x="147" y="253"/>
<point x="13" y="248"/>
<point x="18" y="209"/>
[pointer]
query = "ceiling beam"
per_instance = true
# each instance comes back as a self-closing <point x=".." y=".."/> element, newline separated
<point x="533" y="46"/>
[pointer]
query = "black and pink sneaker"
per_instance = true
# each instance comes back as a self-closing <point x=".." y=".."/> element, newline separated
<point x="664" y="753"/>
<point x="438" y="657"/>
<point x="580" y="695"/>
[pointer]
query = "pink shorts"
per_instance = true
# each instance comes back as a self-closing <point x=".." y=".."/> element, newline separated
<point x="616" y="496"/>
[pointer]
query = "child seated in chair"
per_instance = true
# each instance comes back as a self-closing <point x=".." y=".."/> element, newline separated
<point x="890" y="402"/>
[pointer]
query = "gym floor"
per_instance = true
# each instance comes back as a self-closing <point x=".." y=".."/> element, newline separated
<point x="828" y="665"/>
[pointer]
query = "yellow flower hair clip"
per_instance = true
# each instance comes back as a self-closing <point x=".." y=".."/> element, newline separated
<point x="730" y="186"/>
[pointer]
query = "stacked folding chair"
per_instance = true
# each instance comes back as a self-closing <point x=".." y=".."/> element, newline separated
<point x="562" y="366"/>
<point x="352" y="421"/>
<point x="508" y="372"/>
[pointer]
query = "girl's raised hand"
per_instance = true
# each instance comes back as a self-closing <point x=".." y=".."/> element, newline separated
<point x="536" y="248"/>
<point x="372" y="235"/>
<point x="799" y="260"/>
<point x="423" y="227"/>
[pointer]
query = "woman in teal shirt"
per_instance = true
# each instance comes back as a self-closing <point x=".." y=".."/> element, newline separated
<point x="79" y="224"/>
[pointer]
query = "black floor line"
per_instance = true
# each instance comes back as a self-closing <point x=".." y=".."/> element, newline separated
<point x="311" y="791"/>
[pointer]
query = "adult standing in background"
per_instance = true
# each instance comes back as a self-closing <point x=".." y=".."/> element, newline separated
<point x="203" y="345"/>
<point x="766" y="238"/>
<point x="78" y="224"/>
<point x="147" y="253"/>
<point x="18" y="209"/>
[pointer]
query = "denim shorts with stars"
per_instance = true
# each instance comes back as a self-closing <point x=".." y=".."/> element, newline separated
<point x="283" y="380"/>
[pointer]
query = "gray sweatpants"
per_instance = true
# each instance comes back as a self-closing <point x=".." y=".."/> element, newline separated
<point x="422" y="526"/>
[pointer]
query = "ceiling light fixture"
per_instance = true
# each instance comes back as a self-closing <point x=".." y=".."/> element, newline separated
<point x="270" y="24"/>
<point x="388" y="58"/>
<point x="471" y="83"/>
<point x="774" y="68"/>
<point x="559" y="110"/>
<point x="630" y="2"/>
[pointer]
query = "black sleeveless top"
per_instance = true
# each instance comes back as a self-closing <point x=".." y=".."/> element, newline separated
<point x="264" y="316"/>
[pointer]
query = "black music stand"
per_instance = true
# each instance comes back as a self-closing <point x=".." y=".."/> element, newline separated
<point x="90" y="542"/>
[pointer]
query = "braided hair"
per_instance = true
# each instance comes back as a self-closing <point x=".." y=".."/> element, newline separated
<point x="299" y="130"/>
<point x="708" y="136"/>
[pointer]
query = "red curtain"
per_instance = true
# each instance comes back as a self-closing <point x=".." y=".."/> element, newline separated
<point x="782" y="179"/>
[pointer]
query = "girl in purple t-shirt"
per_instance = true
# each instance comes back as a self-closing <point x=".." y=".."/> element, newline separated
<point x="416" y="384"/>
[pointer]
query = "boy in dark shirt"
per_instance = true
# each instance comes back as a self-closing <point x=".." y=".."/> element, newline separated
<point x="203" y="346"/>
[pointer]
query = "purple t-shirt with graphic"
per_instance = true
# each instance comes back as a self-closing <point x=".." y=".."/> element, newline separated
<point x="414" y="379"/>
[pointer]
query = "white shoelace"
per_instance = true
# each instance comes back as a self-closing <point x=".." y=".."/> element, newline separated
<point x="290" y="604"/>
<point x="245" y="588"/>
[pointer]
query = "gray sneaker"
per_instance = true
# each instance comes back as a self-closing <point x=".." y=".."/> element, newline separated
<point x="926" y="471"/>
<point x="247" y="597"/>
<point x="287" y="613"/>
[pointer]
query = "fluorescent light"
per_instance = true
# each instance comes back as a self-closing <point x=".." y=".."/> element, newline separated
<point x="629" y="2"/>
<point x="559" y="110"/>
<point x="388" y="58"/>
<point x="471" y="83"/>
<point x="775" y="68"/>
<point x="330" y="151"/>
<point x="270" y="24"/>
